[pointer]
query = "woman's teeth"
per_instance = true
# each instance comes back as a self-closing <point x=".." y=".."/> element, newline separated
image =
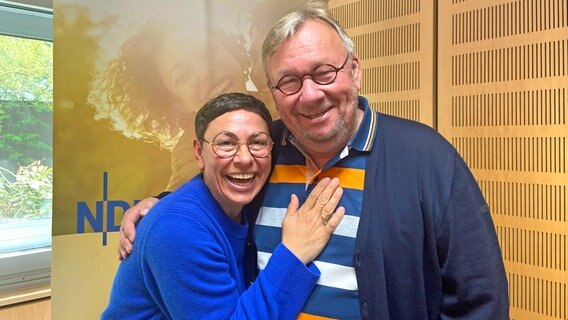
<point x="241" y="176"/>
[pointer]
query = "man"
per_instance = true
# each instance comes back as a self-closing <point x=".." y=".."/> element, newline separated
<point x="417" y="240"/>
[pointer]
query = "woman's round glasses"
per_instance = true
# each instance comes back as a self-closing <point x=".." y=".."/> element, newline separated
<point x="225" y="144"/>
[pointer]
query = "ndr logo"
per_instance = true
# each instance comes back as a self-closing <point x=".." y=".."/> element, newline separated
<point x="105" y="211"/>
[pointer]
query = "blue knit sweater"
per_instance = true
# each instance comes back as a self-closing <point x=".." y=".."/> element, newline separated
<point x="188" y="264"/>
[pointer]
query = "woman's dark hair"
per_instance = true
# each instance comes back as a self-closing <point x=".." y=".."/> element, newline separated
<point x="228" y="102"/>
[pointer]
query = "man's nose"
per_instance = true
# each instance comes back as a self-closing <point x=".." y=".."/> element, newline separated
<point x="310" y="89"/>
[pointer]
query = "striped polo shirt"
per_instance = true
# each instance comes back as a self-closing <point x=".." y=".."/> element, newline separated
<point x="336" y="294"/>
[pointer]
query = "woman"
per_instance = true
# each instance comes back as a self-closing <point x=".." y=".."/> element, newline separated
<point x="190" y="256"/>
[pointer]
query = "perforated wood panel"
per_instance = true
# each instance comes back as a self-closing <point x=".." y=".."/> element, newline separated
<point x="394" y="40"/>
<point x="492" y="76"/>
<point x="503" y="102"/>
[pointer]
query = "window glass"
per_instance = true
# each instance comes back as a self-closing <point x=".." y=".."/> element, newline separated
<point x="26" y="170"/>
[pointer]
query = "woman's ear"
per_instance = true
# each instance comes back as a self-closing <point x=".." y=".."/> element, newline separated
<point x="198" y="152"/>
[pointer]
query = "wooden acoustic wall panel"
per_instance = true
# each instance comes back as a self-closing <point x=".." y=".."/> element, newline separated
<point x="394" y="40"/>
<point x="503" y="102"/>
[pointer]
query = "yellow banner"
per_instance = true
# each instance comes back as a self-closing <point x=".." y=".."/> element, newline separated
<point x="129" y="77"/>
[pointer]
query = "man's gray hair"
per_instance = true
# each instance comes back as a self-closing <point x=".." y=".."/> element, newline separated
<point x="289" y="24"/>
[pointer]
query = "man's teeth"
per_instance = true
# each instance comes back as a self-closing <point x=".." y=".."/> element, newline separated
<point x="242" y="176"/>
<point x="313" y="116"/>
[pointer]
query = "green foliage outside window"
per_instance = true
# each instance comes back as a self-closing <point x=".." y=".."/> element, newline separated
<point x="27" y="193"/>
<point x="26" y="109"/>
<point x="26" y="105"/>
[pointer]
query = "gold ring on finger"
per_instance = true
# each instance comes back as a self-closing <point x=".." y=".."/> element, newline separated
<point x="325" y="220"/>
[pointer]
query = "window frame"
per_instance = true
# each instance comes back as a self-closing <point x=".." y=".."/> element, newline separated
<point x="26" y="275"/>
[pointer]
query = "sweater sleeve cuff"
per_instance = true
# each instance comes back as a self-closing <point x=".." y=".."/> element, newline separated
<point x="290" y="274"/>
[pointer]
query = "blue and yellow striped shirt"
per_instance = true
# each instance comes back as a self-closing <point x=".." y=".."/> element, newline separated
<point x="336" y="294"/>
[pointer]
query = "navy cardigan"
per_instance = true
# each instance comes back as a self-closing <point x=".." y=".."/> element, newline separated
<point x="426" y="247"/>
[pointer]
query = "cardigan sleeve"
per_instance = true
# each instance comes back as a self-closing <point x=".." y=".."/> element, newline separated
<point x="187" y="272"/>
<point x="474" y="282"/>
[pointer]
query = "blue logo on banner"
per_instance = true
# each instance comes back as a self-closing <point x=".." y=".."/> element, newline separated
<point x="105" y="211"/>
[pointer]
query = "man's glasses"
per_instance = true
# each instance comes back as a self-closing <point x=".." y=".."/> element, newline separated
<point x="322" y="74"/>
<point x="225" y="144"/>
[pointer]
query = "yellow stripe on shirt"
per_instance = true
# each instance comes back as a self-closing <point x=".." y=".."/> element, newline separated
<point x="305" y="316"/>
<point x="288" y="174"/>
<point x="350" y="178"/>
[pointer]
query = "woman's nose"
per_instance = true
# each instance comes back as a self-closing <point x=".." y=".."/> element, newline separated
<point x="243" y="154"/>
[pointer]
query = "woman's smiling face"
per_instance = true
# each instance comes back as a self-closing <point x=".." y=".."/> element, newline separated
<point x="234" y="181"/>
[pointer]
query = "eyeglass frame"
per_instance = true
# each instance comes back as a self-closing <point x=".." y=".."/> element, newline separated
<point x="239" y="143"/>
<point x="311" y="75"/>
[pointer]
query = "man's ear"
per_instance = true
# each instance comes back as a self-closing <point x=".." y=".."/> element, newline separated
<point x="269" y="87"/>
<point x="356" y="71"/>
<point x="198" y="152"/>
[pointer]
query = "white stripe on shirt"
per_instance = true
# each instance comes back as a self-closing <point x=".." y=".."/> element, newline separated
<point x="332" y="275"/>
<point x="272" y="217"/>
